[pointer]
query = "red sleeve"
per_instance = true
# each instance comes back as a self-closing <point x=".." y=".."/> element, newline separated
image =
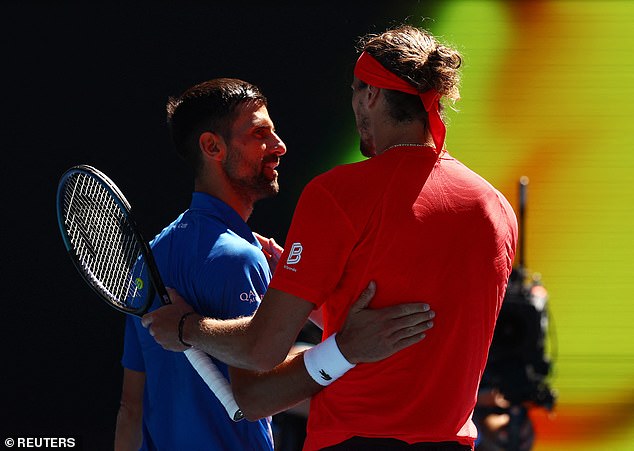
<point x="317" y="247"/>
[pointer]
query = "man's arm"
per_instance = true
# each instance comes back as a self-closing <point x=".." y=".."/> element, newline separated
<point x="263" y="341"/>
<point x="262" y="394"/>
<point x="367" y="336"/>
<point x="258" y="343"/>
<point x="129" y="431"/>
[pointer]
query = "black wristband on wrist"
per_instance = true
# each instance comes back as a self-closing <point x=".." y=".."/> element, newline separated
<point x="181" y="324"/>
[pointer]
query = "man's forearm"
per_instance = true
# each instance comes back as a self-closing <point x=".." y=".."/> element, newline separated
<point x="261" y="394"/>
<point x="228" y="340"/>
<point x="256" y="343"/>
<point x="259" y="342"/>
<point x="128" y="432"/>
<point x="129" y="429"/>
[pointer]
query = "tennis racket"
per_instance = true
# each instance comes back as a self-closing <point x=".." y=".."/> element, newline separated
<point x="105" y="245"/>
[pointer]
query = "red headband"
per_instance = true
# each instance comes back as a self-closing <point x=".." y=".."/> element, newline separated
<point x="370" y="71"/>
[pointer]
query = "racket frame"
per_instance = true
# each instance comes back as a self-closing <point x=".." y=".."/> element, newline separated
<point x="156" y="286"/>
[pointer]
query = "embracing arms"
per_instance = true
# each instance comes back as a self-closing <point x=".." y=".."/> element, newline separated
<point x="262" y="341"/>
<point x="367" y="336"/>
<point x="264" y="379"/>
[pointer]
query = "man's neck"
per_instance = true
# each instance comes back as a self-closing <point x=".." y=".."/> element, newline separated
<point x="413" y="133"/>
<point x="224" y="192"/>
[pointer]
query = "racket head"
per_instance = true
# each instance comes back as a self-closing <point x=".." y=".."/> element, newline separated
<point x="103" y="240"/>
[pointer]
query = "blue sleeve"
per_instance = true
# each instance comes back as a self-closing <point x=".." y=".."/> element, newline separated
<point x="132" y="356"/>
<point x="245" y="278"/>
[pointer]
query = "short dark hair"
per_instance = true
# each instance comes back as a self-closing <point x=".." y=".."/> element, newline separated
<point x="417" y="57"/>
<point x="209" y="106"/>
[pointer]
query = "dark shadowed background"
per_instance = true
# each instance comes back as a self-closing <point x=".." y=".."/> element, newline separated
<point x="88" y="83"/>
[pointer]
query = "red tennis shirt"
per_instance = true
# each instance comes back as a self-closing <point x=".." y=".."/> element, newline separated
<point x="425" y="229"/>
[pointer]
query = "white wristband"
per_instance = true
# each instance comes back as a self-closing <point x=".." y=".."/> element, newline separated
<point x="325" y="363"/>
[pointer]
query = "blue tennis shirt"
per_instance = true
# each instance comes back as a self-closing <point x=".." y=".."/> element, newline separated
<point x="210" y="256"/>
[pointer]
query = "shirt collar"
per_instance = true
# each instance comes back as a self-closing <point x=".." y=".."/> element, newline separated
<point x="225" y="214"/>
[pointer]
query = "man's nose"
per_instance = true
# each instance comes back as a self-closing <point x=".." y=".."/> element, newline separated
<point x="279" y="148"/>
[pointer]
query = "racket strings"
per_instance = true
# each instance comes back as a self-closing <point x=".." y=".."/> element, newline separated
<point x="106" y="246"/>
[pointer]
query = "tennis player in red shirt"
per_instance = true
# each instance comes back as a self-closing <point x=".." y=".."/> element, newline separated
<point x="414" y="220"/>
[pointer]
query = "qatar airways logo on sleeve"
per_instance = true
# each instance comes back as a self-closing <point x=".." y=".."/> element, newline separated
<point x="294" y="256"/>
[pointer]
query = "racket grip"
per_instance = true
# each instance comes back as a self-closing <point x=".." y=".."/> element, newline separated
<point x="215" y="381"/>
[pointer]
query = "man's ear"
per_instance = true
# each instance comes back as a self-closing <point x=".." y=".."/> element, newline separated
<point x="212" y="145"/>
<point x="372" y="95"/>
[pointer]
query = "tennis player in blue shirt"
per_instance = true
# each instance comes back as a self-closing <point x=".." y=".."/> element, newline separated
<point x="209" y="253"/>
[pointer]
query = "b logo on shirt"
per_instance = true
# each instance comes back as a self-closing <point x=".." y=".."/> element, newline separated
<point x="295" y="254"/>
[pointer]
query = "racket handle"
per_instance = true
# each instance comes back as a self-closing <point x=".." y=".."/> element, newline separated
<point x="215" y="381"/>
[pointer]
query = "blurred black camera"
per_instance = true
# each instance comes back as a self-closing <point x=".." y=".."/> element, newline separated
<point x="518" y="365"/>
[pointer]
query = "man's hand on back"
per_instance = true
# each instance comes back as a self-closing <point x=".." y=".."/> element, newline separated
<point x="370" y="335"/>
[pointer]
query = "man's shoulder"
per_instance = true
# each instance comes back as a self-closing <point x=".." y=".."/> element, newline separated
<point x="453" y="170"/>
<point x="358" y="168"/>
<point x="349" y="180"/>
<point x="232" y="246"/>
<point x="484" y="192"/>
<point x="206" y="236"/>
